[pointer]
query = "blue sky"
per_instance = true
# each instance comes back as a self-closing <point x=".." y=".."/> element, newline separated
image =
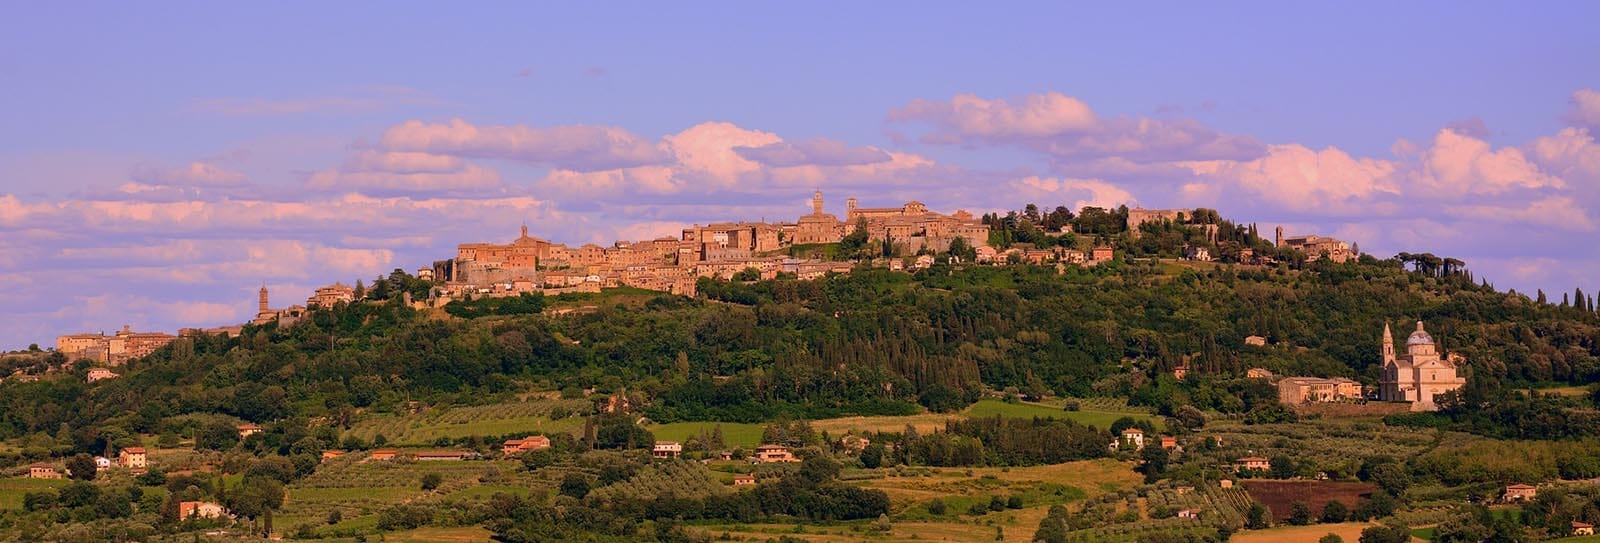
<point x="160" y="162"/>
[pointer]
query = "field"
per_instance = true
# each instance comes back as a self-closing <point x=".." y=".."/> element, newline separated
<point x="1279" y="496"/>
<point x="1096" y="418"/>
<point x="1349" y="531"/>
<point x="12" y="489"/>
<point x="734" y="434"/>
<point x="489" y="420"/>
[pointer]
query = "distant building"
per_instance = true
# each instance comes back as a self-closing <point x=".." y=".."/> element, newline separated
<point x="247" y="430"/>
<point x="1520" y="493"/>
<point x="1582" y="528"/>
<point x="441" y="456"/>
<point x="330" y="455"/>
<point x="102" y="463"/>
<point x="1316" y="247"/>
<point x="1169" y="442"/>
<point x="1255" y="341"/>
<point x="132" y="458"/>
<point x="1130" y="437"/>
<point x="100" y="374"/>
<point x="1420" y="375"/>
<point x="1253" y="463"/>
<point x="666" y="449"/>
<point x="774" y="453"/>
<point x="1300" y="390"/>
<point x="519" y="446"/>
<point x="329" y="296"/>
<point x="383" y="455"/>
<point x="744" y="480"/>
<point x="114" y="349"/>
<point x="1258" y="373"/>
<point x="43" y="471"/>
<point x="187" y="510"/>
<point x="1188" y="513"/>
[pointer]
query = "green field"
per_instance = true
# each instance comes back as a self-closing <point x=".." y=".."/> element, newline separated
<point x="487" y="420"/>
<point x="12" y="490"/>
<point x="1098" y="419"/>
<point x="734" y="434"/>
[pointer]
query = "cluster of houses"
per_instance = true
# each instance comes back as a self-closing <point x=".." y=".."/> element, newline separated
<point x="134" y="459"/>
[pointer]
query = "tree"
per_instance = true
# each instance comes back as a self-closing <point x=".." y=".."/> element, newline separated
<point x="1299" y="514"/>
<point x="1256" y="517"/>
<point x="81" y="467"/>
<point x="1335" y="511"/>
<point x="1053" y="527"/>
<point x="1392" y="478"/>
<point x="575" y="485"/>
<point x="1155" y="462"/>
<point x="1393" y="532"/>
<point x="217" y="435"/>
<point x="872" y="456"/>
<point x="1282" y="467"/>
<point x="1331" y="538"/>
<point x="431" y="481"/>
<point x="936" y="507"/>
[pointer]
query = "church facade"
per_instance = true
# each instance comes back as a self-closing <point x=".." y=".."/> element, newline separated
<point x="1418" y="376"/>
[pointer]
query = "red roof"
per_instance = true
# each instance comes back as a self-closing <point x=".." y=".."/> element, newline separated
<point x="134" y="450"/>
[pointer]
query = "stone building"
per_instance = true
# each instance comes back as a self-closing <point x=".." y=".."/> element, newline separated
<point x="1300" y="390"/>
<point x="114" y="349"/>
<point x="1418" y="376"/>
<point x="331" y="295"/>
<point x="1316" y="247"/>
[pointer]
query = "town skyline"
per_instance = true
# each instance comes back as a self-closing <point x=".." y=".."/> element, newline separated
<point x="215" y="170"/>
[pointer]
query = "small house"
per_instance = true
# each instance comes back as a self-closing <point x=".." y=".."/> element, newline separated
<point x="774" y="453"/>
<point x="1169" y="442"/>
<point x="1582" y="528"/>
<point x="187" y="510"/>
<point x="1253" y="463"/>
<point x="519" y="446"/>
<point x="666" y="449"/>
<point x="1189" y="513"/>
<point x="99" y="374"/>
<point x="247" y="430"/>
<point x="132" y="458"/>
<point x="1521" y="492"/>
<point x="43" y="471"/>
<point x="744" y="480"/>
<point x="384" y="455"/>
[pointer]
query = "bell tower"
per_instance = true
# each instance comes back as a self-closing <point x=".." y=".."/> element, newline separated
<point x="1388" y="345"/>
<point x="263" y="298"/>
<point x="816" y="203"/>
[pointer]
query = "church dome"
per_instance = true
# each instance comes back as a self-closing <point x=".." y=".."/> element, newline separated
<point x="1419" y="337"/>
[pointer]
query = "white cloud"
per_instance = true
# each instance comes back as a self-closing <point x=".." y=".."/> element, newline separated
<point x="1081" y="192"/>
<point x="1561" y="212"/>
<point x="1301" y="179"/>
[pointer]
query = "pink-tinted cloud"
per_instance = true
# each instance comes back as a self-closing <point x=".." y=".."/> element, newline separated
<point x="1559" y="212"/>
<point x="1298" y="178"/>
<point x="1065" y="127"/>
<point x="579" y="148"/>
<point x="1078" y="193"/>
<point x="195" y="174"/>
<point x="1461" y="164"/>
<point x="818" y="152"/>
<point x="1585" y="108"/>
<point x="469" y="177"/>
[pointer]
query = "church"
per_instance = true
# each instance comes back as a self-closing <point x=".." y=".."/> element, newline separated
<point x="1418" y="376"/>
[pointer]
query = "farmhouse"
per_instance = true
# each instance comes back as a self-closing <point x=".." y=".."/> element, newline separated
<point x="1258" y="373"/>
<point x="767" y="454"/>
<point x="43" y="471"/>
<point x="1169" y="442"/>
<point x="1253" y="463"/>
<point x="440" y="456"/>
<point x="100" y="374"/>
<point x="1301" y="390"/>
<point x="1188" y="513"/>
<point x="247" y="430"/>
<point x="187" y="510"/>
<point x="667" y="449"/>
<point x="530" y="443"/>
<point x="330" y="455"/>
<point x="1131" y="437"/>
<point x="1582" y="528"/>
<point x="132" y="458"/>
<point x="744" y="480"/>
<point x="101" y="463"/>
<point x="1255" y="341"/>
<point x="383" y="455"/>
<point x="1520" y="492"/>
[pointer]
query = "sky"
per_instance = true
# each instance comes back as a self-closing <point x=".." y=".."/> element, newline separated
<point x="160" y="162"/>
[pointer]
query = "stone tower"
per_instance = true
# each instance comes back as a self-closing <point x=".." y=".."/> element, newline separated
<point x="263" y="298"/>
<point x="1388" y="346"/>
<point x="816" y="203"/>
<point x="1277" y="241"/>
<point x="849" y="208"/>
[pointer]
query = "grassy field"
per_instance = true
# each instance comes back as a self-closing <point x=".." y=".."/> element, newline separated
<point x="12" y="490"/>
<point x="734" y="434"/>
<point x="487" y="420"/>
<point x="1349" y="531"/>
<point x="1098" y="419"/>
<point x="927" y="422"/>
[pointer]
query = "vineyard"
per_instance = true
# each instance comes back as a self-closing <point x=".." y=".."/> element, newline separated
<point x="1084" y="415"/>
<point x="538" y="415"/>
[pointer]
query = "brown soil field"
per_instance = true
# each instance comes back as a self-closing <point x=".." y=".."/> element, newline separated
<point x="1349" y="531"/>
<point x="1279" y="496"/>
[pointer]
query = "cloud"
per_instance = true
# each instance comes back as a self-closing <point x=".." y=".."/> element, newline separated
<point x="1458" y="163"/>
<point x="1561" y="212"/>
<point x="402" y="162"/>
<point x="1571" y="153"/>
<point x="819" y="151"/>
<point x="469" y="177"/>
<point x="1302" y="179"/>
<point x="364" y="99"/>
<point x="1081" y="192"/>
<point x="195" y="174"/>
<point x="1065" y="127"/>
<point x="1585" y="109"/>
<point x="579" y="147"/>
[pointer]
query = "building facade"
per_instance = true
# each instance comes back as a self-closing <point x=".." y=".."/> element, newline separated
<point x="1420" y="375"/>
